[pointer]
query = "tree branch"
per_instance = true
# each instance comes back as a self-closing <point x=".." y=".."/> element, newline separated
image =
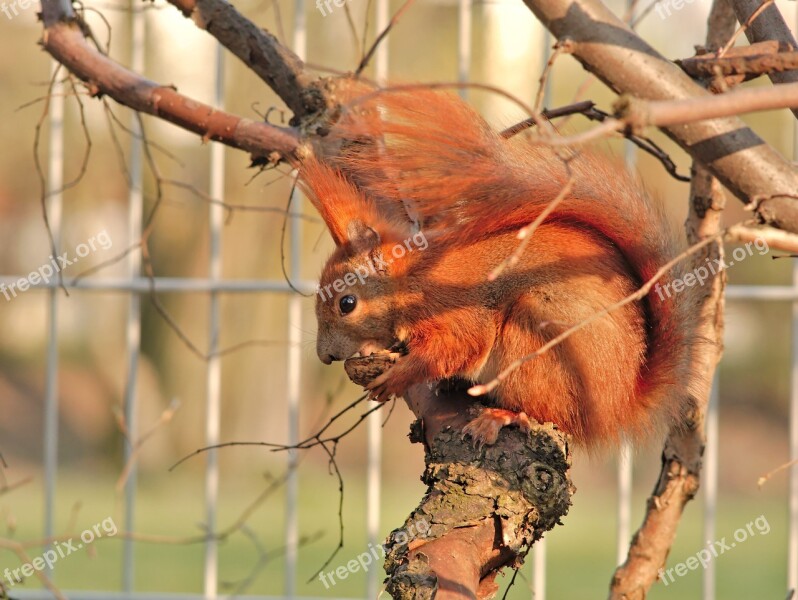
<point x="732" y="152"/>
<point x="65" y="41"/>
<point x="281" y="69"/>
<point x="665" y="113"/>
<point x="758" y="59"/>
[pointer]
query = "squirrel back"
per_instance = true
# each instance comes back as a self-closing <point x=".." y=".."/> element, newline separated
<point x="429" y="155"/>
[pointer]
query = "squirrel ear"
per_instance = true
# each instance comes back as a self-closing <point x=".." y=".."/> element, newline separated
<point x="360" y="236"/>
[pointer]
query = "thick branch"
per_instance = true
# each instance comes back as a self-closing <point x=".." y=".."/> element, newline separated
<point x="281" y="69"/>
<point x="731" y="151"/>
<point x="65" y="41"/>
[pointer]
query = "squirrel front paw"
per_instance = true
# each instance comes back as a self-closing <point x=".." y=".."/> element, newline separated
<point x="392" y="382"/>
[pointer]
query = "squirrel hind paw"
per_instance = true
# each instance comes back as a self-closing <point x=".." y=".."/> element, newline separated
<point x="485" y="427"/>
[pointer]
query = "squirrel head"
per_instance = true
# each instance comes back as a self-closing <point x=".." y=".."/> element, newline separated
<point x="357" y="293"/>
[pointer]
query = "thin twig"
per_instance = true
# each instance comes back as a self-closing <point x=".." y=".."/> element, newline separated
<point x="43" y="193"/>
<point x="525" y="233"/>
<point x="391" y="24"/>
<point x="743" y="27"/>
<point x="764" y="479"/>
<point x="559" y="48"/>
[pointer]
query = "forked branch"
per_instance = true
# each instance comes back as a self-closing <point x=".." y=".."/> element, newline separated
<point x="732" y="152"/>
<point x="64" y="39"/>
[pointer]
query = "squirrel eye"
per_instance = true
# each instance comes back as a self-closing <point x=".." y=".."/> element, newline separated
<point x="347" y="304"/>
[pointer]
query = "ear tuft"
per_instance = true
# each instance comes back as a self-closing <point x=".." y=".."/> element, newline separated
<point x="352" y="218"/>
<point x="361" y="237"/>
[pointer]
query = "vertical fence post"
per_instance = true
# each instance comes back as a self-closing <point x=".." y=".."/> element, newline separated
<point x="133" y="328"/>
<point x="464" y="41"/>
<point x="792" y="553"/>
<point x="374" y="425"/>
<point x="539" y="549"/>
<point x="710" y="484"/>
<point x="294" y="352"/>
<point x="214" y="366"/>
<point x="624" y="532"/>
<point x="55" y="181"/>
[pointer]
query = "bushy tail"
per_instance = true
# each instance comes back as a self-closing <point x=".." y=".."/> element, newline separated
<point x="435" y="154"/>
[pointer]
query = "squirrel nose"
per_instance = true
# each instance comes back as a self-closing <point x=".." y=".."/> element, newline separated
<point x="327" y="359"/>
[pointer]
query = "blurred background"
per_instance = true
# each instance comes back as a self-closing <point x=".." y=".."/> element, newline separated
<point x="507" y="49"/>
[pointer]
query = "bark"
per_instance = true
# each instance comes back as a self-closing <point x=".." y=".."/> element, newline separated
<point x="65" y="41"/>
<point x="732" y="152"/>
<point x="486" y="507"/>
<point x="278" y="66"/>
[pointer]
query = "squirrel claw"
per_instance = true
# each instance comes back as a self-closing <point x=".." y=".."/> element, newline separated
<point x="485" y="428"/>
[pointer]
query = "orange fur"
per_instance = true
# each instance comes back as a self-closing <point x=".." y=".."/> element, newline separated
<point x="470" y="191"/>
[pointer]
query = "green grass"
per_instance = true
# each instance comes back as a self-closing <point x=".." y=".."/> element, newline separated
<point x="581" y="555"/>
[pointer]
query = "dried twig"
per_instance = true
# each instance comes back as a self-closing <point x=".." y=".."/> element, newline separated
<point x="744" y="27"/>
<point x="774" y="238"/>
<point x="391" y="24"/>
<point x="43" y="192"/>
<point x="753" y="62"/>
<point x="525" y="233"/>
<point x="589" y="110"/>
<point x="766" y="477"/>
<point x="684" y="447"/>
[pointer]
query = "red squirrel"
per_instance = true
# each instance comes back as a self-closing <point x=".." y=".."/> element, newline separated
<point x="423" y="163"/>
